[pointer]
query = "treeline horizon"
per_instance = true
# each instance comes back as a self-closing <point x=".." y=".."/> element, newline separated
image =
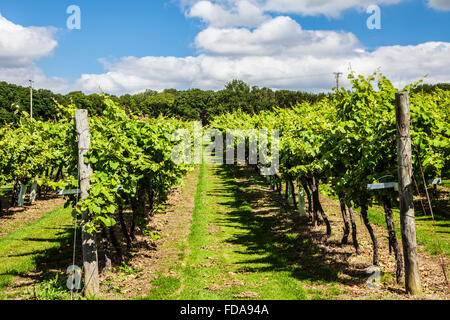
<point x="190" y="104"/>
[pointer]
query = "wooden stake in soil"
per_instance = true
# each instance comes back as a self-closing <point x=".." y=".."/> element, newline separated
<point x="407" y="221"/>
<point x="90" y="257"/>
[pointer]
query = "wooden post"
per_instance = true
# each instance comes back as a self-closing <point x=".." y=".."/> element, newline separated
<point x="407" y="221"/>
<point x="90" y="257"/>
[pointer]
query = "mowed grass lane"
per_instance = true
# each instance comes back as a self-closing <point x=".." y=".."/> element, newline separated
<point x="229" y="255"/>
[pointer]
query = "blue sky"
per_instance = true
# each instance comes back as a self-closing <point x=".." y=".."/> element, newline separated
<point x="152" y="31"/>
<point x="109" y="29"/>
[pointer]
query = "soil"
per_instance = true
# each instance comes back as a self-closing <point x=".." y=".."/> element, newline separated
<point x="352" y="268"/>
<point x="152" y="258"/>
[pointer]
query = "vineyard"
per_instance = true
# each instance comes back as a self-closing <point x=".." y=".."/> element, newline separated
<point x="141" y="225"/>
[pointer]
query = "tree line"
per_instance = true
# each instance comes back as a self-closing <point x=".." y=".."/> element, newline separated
<point x="192" y="104"/>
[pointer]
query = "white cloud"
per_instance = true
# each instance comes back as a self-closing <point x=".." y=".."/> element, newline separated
<point x="402" y="64"/>
<point x="131" y="74"/>
<point x="21" y="45"/>
<point x="443" y="5"/>
<point x="239" y="42"/>
<point x="241" y="13"/>
<point x="21" y="74"/>
<point x="221" y="13"/>
<point x="278" y="36"/>
<point x="278" y="53"/>
<point x="405" y="64"/>
<point x="331" y="8"/>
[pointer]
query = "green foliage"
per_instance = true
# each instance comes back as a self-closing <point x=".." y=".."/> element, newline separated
<point x="349" y="138"/>
<point x="192" y="104"/>
<point x="16" y="99"/>
<point x="125" y="151"/>
<point x="128" y="270"/>
<point x="53" y="289"/>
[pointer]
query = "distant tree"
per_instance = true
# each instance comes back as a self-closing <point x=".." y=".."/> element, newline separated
<point x="159" y="104"/>
<point x="235" y="95"/>
<point x="192" y="104"/>
<point x="429" y="88"/>
<point x="262" y="99"/>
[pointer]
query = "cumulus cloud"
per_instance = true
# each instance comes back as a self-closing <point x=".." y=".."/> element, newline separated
<point x="277" y="53"/>
<point x="21" y="45"/>
<point x="281" y="36"/>
<point x="131" y="74"/>
<point x="21" y="74"/>
<point x="248" y="12"/>
<point x="402" y="64"/>
<point x="239" y="41"/>
<point x="240" y="13"/>
<point x="443" y="5"/>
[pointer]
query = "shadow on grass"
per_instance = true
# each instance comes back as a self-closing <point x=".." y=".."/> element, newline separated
<point x="35" y="262"/>
<point x="280" y="232"/>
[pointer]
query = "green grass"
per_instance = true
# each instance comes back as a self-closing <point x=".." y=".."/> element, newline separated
<point x="232" y="254"/>
<point x="233" y="267"/>
<point x="424" y="229"/>
<point x="35" y="246"/>
<point x="164" y="288"/>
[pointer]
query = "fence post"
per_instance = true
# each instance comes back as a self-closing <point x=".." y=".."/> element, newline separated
<point x="90" y="257"/>
<point x="407" y="221"/>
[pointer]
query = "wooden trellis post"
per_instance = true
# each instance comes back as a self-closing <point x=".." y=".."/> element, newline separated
<point x="407" y="221"/>
<point x="90" y="256"/>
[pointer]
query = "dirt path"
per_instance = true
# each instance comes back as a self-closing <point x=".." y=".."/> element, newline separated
<point x="432" y="277"/>
<point x="230" y="256"/>
<point x="153" y="258"/>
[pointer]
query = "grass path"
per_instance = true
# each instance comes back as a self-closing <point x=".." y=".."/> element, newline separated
<point x="232" y="253"/>
<point x="228" y="237"/>
<point x="34" y="246"/>
<point x="18" y="218"/>
<point x="246" y="243"/>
